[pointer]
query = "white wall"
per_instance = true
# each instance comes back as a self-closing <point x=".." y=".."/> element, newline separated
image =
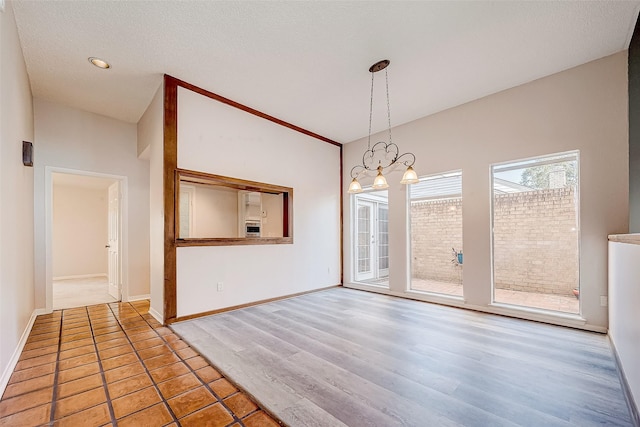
<point x="16" y="196"/>
<point x="80" y="231"/>
<point x="624" y="300"/>
<point x="78" y="140"/>
<point x="218" y="139"/>
<point x="150" y="139"/>
<point x="584" y="108"/>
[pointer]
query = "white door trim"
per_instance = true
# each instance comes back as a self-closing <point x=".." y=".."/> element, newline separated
<point x="48" y="209"/>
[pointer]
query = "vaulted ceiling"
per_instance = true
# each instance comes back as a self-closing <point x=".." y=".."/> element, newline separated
<point x="306" y="62"/>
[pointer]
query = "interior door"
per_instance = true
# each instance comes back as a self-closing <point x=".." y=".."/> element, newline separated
<point x="113" y="244"/>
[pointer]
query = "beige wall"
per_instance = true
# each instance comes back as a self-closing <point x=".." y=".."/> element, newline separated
<point x="76" y="140"/>
<point x="215" y="212"/>
<point x="272" y="221"/>
<point x="583" y="108"/>
<point x="79" y="231"/>
<point x="16" y="196"/>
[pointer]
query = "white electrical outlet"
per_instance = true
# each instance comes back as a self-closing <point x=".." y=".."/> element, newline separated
<point x="1" y="5"/>
<point x="604" y="301"/>
<point x="220" y="286"/>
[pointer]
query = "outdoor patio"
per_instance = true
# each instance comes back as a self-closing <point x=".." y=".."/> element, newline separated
<point x="563" y="303"/>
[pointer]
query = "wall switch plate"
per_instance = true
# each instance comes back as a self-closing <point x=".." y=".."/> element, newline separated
<point x="220" y="286"/>
<point x="1" y="5"/>
<point x="604" y="301"/>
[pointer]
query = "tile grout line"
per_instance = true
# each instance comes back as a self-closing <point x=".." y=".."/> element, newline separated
<point x="102" y="375"/>
<point x="236" y="418"/>
<point x="54" y="394"/>
<point x="135" y="350"/>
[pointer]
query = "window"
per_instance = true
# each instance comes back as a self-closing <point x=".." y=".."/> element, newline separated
<point x="436" y="234"/>
<point x="216" y="210"/>
<point x="371" y="238"/>
<point x="535" y="214"/>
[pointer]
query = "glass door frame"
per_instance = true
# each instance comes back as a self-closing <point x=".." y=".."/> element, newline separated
<point x="374" y="202"/>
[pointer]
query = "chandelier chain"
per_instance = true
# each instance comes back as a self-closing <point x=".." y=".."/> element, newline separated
<point x="386" y="78"/>
<point x="370" y="113"/>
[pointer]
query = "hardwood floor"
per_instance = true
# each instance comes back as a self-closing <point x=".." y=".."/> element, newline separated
<point x="347" y="357"/>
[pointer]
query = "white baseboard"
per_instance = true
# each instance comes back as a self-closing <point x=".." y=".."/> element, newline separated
<point x="156" y="315"/>
<point x="6" y="375"/>
<point x="138" y="297"/>
<point x="80" y="276"/>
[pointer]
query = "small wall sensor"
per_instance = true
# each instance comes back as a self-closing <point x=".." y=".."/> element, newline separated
<point x="27" y="153"/>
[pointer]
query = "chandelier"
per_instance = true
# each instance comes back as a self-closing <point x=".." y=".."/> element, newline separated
<point x="382" y="155"/>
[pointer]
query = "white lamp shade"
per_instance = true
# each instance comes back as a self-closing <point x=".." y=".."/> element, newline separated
<point x="355" y="186"/>
<point x="410" y="176"/>
<point x="380" y="181"/>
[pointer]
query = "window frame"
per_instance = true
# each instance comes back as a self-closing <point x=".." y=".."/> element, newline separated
<point x="238" y="184"/>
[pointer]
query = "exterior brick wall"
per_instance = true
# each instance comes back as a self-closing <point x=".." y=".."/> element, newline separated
<point x="535" y="240"/>
<point x="436" y="228"/>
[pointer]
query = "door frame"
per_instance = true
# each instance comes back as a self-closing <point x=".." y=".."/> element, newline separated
<point x="122" y="231"/>
<point x="373" y="253"/>
<point x="375" y="202"/>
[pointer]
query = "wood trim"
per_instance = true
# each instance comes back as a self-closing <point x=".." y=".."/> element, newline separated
<point x="233" y="241"/>
<point x="287" y="213"/>
<point x="249" y="304"/>
<point x="170" y="153"/>
<point x="633" y="239"/>
<point x="250" y="110"/>
<point x="204" y="178"/>
<point x="341" y="219"/>
<point x="240" y="184"/>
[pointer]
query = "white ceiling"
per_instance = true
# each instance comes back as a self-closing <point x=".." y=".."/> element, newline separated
<point x="306" y="62"/>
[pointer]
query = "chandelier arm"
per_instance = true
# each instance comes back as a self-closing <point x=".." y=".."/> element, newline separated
<point x="370" y="153"/>
<point x="357" y="173"/>
<point x="407" y="162"/>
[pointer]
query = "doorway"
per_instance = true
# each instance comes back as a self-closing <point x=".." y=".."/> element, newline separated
<point x="84" y="239"/>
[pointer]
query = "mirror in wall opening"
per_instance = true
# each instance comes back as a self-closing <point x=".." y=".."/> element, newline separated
<point x="226" y="210"/>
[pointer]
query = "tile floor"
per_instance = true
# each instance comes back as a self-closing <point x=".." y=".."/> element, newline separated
<point x="114" y="364"/>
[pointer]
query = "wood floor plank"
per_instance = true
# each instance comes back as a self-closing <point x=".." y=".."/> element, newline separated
<point x="346" y="357"/>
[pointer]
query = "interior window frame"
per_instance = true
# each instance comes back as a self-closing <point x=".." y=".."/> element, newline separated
<point x="238" y="184"/>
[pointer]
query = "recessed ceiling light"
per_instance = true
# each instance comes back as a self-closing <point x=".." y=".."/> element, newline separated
<point x="99" y="63"/>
